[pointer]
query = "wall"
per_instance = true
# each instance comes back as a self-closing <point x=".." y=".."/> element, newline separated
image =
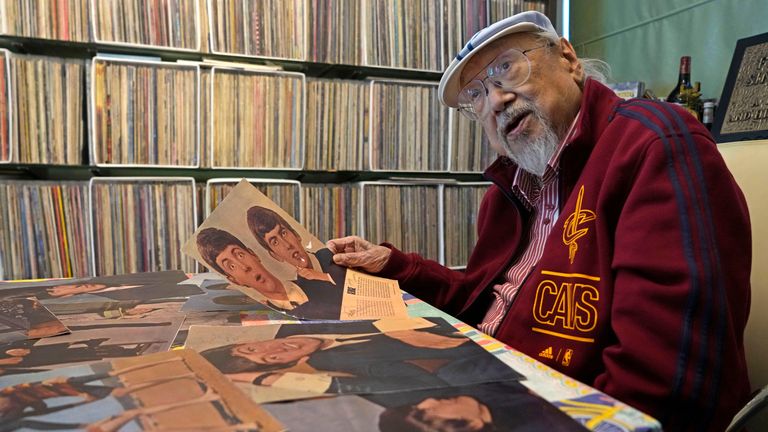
<point x="644" y="39"/>
<point x="746" y="161"/>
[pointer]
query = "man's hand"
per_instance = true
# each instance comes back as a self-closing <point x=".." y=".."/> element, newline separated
<point x="355" y="252"/>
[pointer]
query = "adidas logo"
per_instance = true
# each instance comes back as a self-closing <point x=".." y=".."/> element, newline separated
<point x="547" y="353"/>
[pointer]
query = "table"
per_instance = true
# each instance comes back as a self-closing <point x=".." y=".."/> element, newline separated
<point x="585" y="404"/>
<point x="594" y="409"/>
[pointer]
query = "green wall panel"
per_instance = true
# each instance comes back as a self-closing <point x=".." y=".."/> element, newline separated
<point x="644" y="39"/>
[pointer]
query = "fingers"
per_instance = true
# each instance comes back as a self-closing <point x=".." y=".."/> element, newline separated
<point x="371" y="260"/>
<point x="347" y="244"/>
<point x="353" y="259"/>
<point x="353" y="251"/>
<point x="337" y="245"/>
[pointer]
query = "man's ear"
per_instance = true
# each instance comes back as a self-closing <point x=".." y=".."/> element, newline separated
<point x="568" y="53"/>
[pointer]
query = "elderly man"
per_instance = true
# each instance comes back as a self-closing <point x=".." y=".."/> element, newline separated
<point x="614" y="244"/>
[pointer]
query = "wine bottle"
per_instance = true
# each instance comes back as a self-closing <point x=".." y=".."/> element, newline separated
<point x="683" y="80"/>
<point x="709" y="114"/>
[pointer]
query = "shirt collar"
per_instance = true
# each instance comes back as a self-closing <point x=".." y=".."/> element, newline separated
<point x="296" y="297"/>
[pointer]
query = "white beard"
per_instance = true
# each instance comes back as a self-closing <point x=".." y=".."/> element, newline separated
<point x="530" y="154"/>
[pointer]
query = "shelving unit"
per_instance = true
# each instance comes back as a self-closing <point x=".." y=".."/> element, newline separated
<point x="227" y="68"/>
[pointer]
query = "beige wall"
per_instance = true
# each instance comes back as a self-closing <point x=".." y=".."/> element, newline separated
<point x="644" y="39"/>
<point x="748" y="161"/>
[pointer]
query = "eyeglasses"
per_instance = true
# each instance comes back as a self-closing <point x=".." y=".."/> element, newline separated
<point x="509" y="70"/>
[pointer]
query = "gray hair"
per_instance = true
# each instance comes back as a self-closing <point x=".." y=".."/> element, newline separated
<point x="596" y="69"/>
<point x="544" y="35"/>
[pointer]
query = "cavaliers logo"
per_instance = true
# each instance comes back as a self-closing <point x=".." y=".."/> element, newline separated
<point x="565" y="306"/>
<point x="572" y="229"/>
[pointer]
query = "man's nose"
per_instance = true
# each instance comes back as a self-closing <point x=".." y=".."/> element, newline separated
<point x="498" y="98"/>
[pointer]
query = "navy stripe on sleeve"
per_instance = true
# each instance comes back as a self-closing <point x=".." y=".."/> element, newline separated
<point x="683" y="181"/>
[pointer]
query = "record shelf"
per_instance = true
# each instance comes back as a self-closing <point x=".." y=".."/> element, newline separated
<point x="136" y="104"/>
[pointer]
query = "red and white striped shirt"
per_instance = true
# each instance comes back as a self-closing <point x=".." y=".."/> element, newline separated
<point x="541" y="197"/>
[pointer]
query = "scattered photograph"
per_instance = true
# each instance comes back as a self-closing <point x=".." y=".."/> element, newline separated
<point x="90" y="342"/>
<point x="136" y="286"/>
<point x="174" y="390"/>
<point x="503" y="406"/>
<point x="27" y="319"/>
<point x="347" y="358"/>
<point x="222" y="297"/>
<point x="204" y="319"/>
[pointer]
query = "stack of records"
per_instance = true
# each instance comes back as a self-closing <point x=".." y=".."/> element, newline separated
<point x="158" y="23"/>
<point x="44" y="230"/>
<point x="335" y="122"/>
<point x="201" y="192"/>
<point x="258" y="119"/>
<point x="463" y="18"/>
<point x="470" y="149"/>
<point x="205" y="117"/>
<point x="145" y="113"/>
<point x="408" y="215"/>
<point x="264" y="28"/>
<point x="65" y="20"/>
<point x="404" y="34"/>
<point x="409" y="127"/>
<point x="461" y="202"/>
<point x="6" y="149"/>
<point x="331" y="210"/>
<point x="48" y="99"/>
<point x="205" y="26"/>
<point x="334" y="32"/>
<point x="500" y="9"/>
<point x="139" y="223"/>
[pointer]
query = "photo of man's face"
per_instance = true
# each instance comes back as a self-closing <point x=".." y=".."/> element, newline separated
<point x="242" y="267"/>
<point x="287" y="247"/>
<point x="277" y="351"/>
<point x="269" y="256"/>
<point x="463" y="410"/>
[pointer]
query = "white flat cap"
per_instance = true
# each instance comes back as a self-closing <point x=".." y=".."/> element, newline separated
<point x="532" y="21"/>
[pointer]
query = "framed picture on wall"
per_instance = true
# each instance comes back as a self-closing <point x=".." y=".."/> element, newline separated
<point x="743" y="110"/>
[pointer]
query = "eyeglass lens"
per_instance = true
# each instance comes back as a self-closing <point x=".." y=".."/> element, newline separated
<point x="508" y="71"/>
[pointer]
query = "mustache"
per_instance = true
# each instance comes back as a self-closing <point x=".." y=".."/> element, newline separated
<point x="511" y="113"/>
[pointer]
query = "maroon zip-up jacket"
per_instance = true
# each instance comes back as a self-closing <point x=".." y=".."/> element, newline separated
<point x="643" y="287"/>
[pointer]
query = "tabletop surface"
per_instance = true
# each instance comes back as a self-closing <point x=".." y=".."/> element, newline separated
<point x="592" y="408"/>
<point x="588" y="406"/>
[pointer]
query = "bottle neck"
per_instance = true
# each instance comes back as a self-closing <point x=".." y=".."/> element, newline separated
<point x="684" y="79"/>
<point x="684" y="76"/>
